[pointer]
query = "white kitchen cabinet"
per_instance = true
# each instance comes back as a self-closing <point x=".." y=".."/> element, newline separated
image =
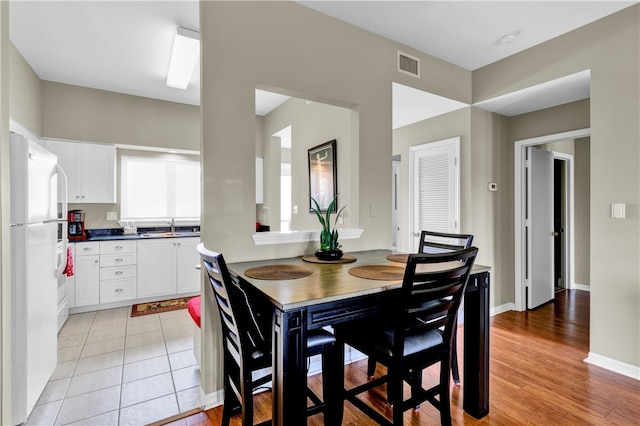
<point x="118" y="271"/>
<point x="188" y="257"/>
<point x="166" y="267"/>
<point x="156" y="267"/>
<point x="90" y="169"/>
<point x="87" y="273"/>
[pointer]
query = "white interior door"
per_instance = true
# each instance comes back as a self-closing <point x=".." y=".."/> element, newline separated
<point x="435" y="188"/>
<point x="539" y="227"/>
<point x="395" y="201"/>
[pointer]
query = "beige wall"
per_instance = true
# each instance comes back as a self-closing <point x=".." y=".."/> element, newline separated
<point x="25" y="93"/>
<point x="5" y="252"/>
<point x="442" y="127"/>
<point x="312" y="124"/>
<point x="285" y="45"/>
<point x="610" y="49"/>
<point x="489" y="162"/>
<point x="83" y="114"/>
<point x="315" y="57"/>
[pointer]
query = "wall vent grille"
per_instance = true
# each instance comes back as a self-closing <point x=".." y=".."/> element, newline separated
<point x="408" y="64"/>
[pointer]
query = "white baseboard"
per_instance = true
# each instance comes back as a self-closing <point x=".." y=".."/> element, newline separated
<point x="625" y="369"/>
<point x="502" y="308"/>
<point x="211" y="400"/>
<point x="583" y="287"/>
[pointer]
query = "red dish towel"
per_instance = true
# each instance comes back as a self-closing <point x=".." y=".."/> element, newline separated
<point x="68" y="270"/>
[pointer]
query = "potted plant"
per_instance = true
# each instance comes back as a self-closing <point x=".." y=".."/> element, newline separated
<point x="329" y="245"/>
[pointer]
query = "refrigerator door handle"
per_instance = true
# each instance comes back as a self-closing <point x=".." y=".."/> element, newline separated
<point x="62" y="183"/>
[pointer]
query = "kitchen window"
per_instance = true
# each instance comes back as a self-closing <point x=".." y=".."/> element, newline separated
<point x="156" y="189"/>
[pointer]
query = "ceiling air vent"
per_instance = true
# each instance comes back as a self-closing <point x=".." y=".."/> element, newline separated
<point x="408" y="64"/>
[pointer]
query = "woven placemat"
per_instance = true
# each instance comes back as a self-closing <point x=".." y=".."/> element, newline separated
<point x="278" y="272"/>
<point x="346" y="258"/>
<point x="378" y="272"/>
<point x="400" y="258"/>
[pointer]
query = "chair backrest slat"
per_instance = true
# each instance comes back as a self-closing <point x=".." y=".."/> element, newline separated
<point x="430" y="300"/>
<point x="441" y="242"/>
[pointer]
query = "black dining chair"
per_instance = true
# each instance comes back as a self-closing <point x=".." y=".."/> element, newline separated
<point x="414" y="331"/>
<point x="438" y="242"/>
<point x="246" y="339"/>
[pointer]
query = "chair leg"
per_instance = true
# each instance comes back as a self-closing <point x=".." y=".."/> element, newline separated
<point x="394" y="394"/>
<point x="371" y="368"/>
<point x="445" y="395"/>
<point x="247" y="407"/>
<point x="394" y="386"/>
<point x="416" y="385"/>
<point x="455" y="372"/>
<point x="231" y="403"/>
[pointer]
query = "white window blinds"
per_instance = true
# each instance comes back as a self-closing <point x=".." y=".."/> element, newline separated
<point x="436" y="186"/>
<point x="434" y="192"/>
<point x="158" y="188"/>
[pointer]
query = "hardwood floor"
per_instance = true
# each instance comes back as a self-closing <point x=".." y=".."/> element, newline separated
<point x="538" y="377"/>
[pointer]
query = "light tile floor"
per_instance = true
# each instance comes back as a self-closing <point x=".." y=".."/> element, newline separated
<point x="117" y="370"/>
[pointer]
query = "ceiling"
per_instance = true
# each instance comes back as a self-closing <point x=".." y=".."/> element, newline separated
<point x="125" y="46"/>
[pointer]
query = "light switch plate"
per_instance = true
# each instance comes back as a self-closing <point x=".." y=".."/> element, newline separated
<point x="112" y="215"/>
<point x="618" y="210"/>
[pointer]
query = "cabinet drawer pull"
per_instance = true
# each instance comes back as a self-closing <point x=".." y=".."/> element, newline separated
<point x="87" y="249"/>
<point x="96" y="261"/>
<point x="118" y="273"/>
<point x="119" y="259"/>
<point x="118" y="247"/>
<point x="119" y="290"/>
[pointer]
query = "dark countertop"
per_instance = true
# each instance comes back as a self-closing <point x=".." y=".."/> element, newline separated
<point x="108" y="234"/>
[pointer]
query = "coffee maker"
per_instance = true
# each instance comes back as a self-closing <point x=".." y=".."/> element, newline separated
<point x="75" y="219"/>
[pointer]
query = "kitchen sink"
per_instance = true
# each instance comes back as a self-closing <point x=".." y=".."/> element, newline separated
<point x="185" y="234"/>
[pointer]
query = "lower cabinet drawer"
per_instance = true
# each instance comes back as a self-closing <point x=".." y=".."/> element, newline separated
<point x="117" y="272"/>
<point x="110" y="260"/>
<point x="117" y="290"/>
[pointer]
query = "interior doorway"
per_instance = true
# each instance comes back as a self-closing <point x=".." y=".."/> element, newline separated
<point x="566" y="237"/>
<point x="561" y="192"/>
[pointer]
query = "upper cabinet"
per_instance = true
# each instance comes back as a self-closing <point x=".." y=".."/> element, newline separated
<point x="90" y="169"/>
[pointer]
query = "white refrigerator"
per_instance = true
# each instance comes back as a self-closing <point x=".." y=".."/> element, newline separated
<point x="38" y="224"/>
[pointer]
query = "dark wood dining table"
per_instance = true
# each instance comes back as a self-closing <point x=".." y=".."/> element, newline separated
<point x="329" y="295"/>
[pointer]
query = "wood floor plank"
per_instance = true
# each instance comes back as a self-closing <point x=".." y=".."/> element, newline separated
<point x="538" y="377"/>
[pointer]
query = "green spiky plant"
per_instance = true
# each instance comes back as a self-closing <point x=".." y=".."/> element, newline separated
<point x="328" y="237"/>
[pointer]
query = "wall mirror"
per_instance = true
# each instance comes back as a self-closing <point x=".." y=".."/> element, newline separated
<point x="285" y="133"/>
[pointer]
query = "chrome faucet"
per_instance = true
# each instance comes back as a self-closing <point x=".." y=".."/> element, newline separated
<point x="172" y="223"/>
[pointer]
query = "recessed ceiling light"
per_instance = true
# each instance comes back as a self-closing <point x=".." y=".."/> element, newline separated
<point x="509" y="38"/>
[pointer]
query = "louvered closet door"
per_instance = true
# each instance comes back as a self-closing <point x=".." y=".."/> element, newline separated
<point x="435" y="177"/>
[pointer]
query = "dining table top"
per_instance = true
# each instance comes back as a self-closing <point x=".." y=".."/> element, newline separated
<point x="326" y="281"/>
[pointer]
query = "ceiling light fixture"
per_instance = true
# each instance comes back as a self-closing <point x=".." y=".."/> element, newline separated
<point x="509" y="38"/>
<point x="185" y="54"/>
